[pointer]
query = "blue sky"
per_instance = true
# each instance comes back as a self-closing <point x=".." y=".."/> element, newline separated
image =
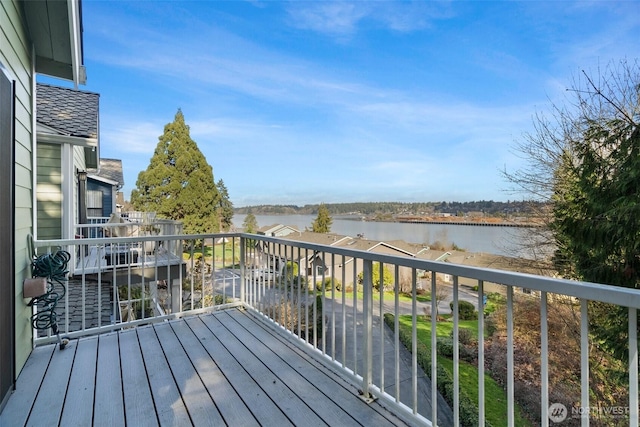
<point x="307" y="102"/>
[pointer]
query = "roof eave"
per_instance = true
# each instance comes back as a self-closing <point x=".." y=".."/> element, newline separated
<point x="55" y="28"/>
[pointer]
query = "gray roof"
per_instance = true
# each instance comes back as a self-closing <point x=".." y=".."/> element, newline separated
<point x="112" y="170"/>
<point x="69" y="111"/>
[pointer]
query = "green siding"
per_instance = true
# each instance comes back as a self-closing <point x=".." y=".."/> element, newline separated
<point x="49" y="191"/>
<point x="15" y="57"/>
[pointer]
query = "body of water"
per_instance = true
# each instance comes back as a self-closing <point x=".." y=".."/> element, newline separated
<point x="494" y="240"/>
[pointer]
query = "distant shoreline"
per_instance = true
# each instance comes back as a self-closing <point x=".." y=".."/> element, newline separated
<point x="449" y="220"/>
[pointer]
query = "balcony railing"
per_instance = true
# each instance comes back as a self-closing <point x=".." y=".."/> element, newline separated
<point x="332" y="302"/>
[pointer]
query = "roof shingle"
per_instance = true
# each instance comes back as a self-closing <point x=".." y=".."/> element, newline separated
<point x="69" y="111"/>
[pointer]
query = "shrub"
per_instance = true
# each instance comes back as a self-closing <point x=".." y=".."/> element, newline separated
<point x="466" y="310"/>
<point x="387" y="277"/>
<point x="466" y="337"/>
<point x="329" y="283"/>
<point x="444" y="346"/>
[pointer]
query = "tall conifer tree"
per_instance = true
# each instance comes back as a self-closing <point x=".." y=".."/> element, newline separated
<point x="178" y="184"/>
<point x="322" y="223"/>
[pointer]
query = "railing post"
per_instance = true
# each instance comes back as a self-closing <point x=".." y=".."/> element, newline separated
<point x="243" y="243"/>
<point x="367" y="302"/>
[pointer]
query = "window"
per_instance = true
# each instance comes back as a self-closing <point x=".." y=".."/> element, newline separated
<point x="94" y="203"/>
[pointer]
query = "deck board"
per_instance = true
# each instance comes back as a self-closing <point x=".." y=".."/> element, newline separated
<point x="108" y="405"/>
<point x="169" y="406"/>
<point x="299" y="383"/>
<point x="225" y="368"/>
<point x="139" y="409"/>
<point x="201" y="407"/>
<point x="338" y="391"/>
<point x="19" y="405"/>
<point x="257" y="401"/>
<point x="47" y="408"/>
<point x="228" y="402"/>
<point x="295" y="410"/>
<point x="78" y="407"/>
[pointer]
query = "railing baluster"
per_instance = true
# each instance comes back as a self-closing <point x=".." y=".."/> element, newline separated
<point x="414" y="344"/>
<point x="344" y="311"/>
<point x="584" y="363"/>
<point x="367" y="344"/>
<point x="434" y="351"/>
<point x="544" y="360"/>
<point x="381" y="320"/>
<point x="633" y="367"/>
<point x="396" y="332"/>
<point x="510" y="385"/>
<point x="354" y="309"/>
<point x="456" y="355"/>
<point x="324" y="304"/>
<point x="333" y="307"/>
<point x="481" y="298"/>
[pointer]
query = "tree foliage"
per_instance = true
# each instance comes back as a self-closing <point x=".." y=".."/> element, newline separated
<point x="385" y="279"/>
<point x="225" y="207"/>
<point x="587" y="164"/>
<point x="322" y="223"/>
<point x="178" y="184"/>
<point x="250" y="224"/>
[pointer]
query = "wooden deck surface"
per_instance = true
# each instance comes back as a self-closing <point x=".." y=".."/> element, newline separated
<point x="217" y="369"/>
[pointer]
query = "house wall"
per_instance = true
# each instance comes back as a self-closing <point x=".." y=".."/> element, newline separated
<point x="15" y="56"/>
<point x="49" y="191"/>
<point x="106" y="190"/>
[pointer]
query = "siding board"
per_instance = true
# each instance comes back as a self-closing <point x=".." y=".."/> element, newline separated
<point x="15" y="55"/>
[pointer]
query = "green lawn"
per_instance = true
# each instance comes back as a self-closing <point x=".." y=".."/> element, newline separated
<point x="495" y="396"/>
<point x="223" y="256"/>
<point x="388" y="296"/>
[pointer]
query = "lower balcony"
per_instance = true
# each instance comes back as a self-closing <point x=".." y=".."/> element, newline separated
<point x="256" y="330"/>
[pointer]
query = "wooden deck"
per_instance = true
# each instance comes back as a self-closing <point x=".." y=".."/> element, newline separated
<point x="225" y="368"/>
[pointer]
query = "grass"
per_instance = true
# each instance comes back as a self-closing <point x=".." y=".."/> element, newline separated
<point x="495" y="396"/>
<point x="224" y="257"/>
<point x="388" y="296"/>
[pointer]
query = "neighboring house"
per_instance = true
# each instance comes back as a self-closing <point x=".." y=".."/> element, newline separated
<point x="68" y="147"/>
<point x="36" y="37"/>
<point x="277" y="230"/>
<point x="312" y="263"/>
<point x="103" y="187"/>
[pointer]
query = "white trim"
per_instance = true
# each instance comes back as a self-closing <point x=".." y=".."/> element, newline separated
<point x="67" y="187"/>
<point x="79" y="74"/>
<point x="44" y="129"/>
<point x="50" y="138"/>
<point x="104" y="180"/>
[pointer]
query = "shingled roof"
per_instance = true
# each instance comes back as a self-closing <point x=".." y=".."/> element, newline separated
<point x="111" y="169"/>
<point x="68" y="111"/>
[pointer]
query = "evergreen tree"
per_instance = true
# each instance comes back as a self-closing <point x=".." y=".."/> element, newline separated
<point x="178" y="184"/>
<point x="588" y="163"/>
<point x="250" y="224"/>
<point x="225" y="207"/>
<point x="322" y="223"/>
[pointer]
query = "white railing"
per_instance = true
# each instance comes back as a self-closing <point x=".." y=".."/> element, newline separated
<point x="327" y="301"/>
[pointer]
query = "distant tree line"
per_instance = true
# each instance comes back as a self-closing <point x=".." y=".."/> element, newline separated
<point x="488" y="207"/>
